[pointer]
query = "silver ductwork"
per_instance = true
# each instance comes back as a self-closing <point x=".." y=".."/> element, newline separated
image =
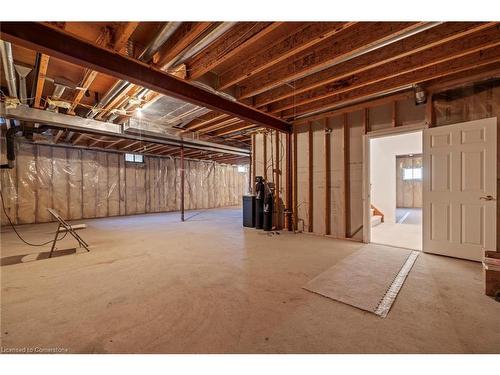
<point x="23" y="72"/>
<point x="165" y="33"/>
<point x="146" y="55"/>
<point x="8" y="67"/>
<point x="204" y="42"/>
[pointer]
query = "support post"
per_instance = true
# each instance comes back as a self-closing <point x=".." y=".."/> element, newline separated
<point x="311" y="176"/>
<point x="264" y="140"/>
<point x="294" y="185"/>
<point x="182" y="182"/>
<point x="277" y="181"/>
<point x="288" y="183"/>
<point x="347" y="178"/>
<point x="327" y="177"/>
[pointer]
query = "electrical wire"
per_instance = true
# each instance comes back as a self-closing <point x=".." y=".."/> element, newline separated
<point x="17" y="233"/>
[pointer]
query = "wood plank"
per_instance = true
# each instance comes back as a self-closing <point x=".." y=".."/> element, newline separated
<point x="289" y="182"/>
<point x="88" y="79"/>
<point x="121" y="37"/>
<point x="310" y="203"/>
<point x="237" y="38"/>
<point x="253" y="165"/>
<point x="295" y="183"/>
<point x="347" y="177"/>
<point x="447" y="52"/>
<point x="123" y="34"/>
<point x="42" y="71"/>
<point x="182" y="38"/>
<point x="470" y="61"/>
<point x="327" y="176"/>
<point x="304" y="37"/>
<point x="233" y="128"/>
<point x="405" y="95"/>
<point x="264" y="148"/>
<point x="394" y="113"/>
<point x="220" y="124"/>
<point x="64" y="46"/>
<point x="277" y="180"/>
<point x="413" y="44"/>
<point x="207" y="120"/>
<point x="345" y="43"/>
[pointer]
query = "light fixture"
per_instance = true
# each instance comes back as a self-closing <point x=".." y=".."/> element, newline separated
<point x="420" y="95"/>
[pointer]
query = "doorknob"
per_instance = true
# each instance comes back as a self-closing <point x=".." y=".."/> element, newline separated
<point x="487" y="198"/>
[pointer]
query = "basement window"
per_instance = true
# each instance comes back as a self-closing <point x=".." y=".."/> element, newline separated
<point x="134" y="158"/>
<point x="412" y="173"/>
<point x="242" y="168"/>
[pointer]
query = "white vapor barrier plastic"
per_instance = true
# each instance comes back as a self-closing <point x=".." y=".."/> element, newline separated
<point x="82" y="184"/>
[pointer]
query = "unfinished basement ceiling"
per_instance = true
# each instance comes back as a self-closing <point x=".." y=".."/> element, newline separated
<point x="290" y="70"/>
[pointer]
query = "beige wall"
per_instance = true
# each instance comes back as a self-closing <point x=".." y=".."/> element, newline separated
<point x="383" y="152"/>
<point x="82" y="183"/>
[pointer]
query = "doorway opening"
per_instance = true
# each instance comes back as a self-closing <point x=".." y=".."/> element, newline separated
<point x="395" y="195"/>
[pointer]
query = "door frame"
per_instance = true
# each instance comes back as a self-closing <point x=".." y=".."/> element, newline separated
<point x="404" y="129"/>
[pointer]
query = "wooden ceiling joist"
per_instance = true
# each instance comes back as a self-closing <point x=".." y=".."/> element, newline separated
<point x="232" y="42"/>
<point x="232" y="129"/>
<point x="220" y="124"/>
<point x="427" y="39"/>
<point x="303" y="38"/>
<point x="470" y="61"/>
<point x="57" y="43"/>
<point x="340" y="46"/>
<point x="42" y="71"/>
<point x="208" y="120"/>
<point x="449" y="51"/>
<point x="182" y="38"/>
<point x="121" y="38"/>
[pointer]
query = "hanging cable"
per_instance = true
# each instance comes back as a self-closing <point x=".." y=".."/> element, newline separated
<point x="17" y="233"/>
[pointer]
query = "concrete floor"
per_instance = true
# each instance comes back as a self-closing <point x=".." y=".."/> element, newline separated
<point x="406" y="232"/>
<point x="154" y="285"/>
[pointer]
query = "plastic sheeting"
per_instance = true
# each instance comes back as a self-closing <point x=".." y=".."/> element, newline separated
<point x="83" y="184"/>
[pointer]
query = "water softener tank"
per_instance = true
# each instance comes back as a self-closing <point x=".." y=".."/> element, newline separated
<point x="268" y="210"/>
<point x="259" y="202"/>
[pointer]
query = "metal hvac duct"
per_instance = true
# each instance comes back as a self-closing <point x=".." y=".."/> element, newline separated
<point x="204" y="42"/>
<point x="146" y="55"/>
<point x="8" y="67"/>
<point x="22" y="71"/>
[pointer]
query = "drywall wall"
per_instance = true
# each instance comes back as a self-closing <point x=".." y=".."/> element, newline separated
<point x="81" y="183"/>
<point x="383" y="152"/>
<point x="408" y="191"/>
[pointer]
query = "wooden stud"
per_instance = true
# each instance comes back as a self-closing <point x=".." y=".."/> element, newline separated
<point x="277" y="172"/>
<point x="311" y="177"/>
<point x="289" y="183"/>
<point x="182" y="182"/>
<point x="254" y="171"/>
<point x="327" y="177"/>
<point x="394" y="113"/>
<point x="264" y="140"/>
<point x="294" y="184"/>
<point x="429" y="112"/>
<point x="42" y="71"/>
<point x="347" y="177"/>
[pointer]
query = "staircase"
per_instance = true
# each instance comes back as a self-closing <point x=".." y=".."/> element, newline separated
<point x="376" y="216"/>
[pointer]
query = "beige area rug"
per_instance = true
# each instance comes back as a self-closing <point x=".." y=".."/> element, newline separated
<point x="369" y="279"/>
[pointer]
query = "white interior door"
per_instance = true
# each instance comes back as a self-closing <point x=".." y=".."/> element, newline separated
<point x="459" y="189"/>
